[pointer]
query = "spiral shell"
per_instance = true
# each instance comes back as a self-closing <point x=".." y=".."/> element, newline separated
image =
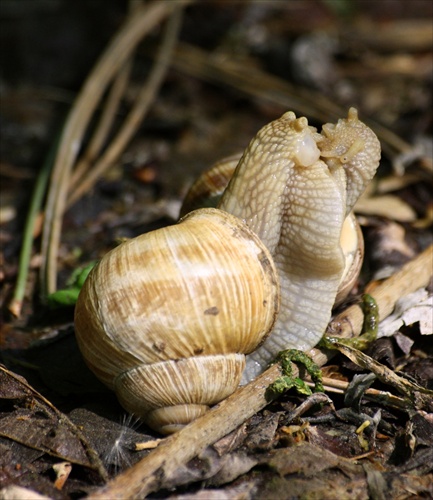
<point x="165" y="319"/>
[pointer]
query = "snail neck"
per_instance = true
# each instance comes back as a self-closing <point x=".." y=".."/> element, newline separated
<point x="258" y="190"/>
<point x="294" y="187"/>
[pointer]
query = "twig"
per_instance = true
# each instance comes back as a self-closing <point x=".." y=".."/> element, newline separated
<point x="119" y="49"/>
<point x="150" y="473"/>
<point x="421" y="397"/>
<point x="104" y="125"/>
<point x="269" y="88"/>
<point x="136" y="115"/>
<point x="384" y="397"/>
<point x="107" y="116"/>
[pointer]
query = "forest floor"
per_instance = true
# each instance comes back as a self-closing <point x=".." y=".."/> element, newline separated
<point x="225" y="70"/>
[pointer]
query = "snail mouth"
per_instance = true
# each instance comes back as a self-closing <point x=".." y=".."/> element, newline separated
<point x="334" y="155"/>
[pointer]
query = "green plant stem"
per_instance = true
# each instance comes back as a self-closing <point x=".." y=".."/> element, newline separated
<point x="39" y="191"/>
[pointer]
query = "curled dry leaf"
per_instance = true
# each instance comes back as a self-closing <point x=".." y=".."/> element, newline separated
<point x="416" y="307"/>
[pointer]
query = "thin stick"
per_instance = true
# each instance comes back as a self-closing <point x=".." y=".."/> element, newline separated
<point x="104" y="125"/>
<point x="119" y="49"/>
<point x="136" y="115"/>
<point x="108" y="114"/>
<point x="384" y="397"/>
<point x="151" y="472"/>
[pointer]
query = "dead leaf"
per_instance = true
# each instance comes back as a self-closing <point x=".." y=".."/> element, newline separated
<point x="39" y="425"/>
<point x="389" y="206"/>
<point x="43" y="432"/>
<point x="261" y="436"/>
<point x="304" y="458"/>
<point x="338" y="439"/>
<point x="416" y="307"/>
<point x="232" y="441"/>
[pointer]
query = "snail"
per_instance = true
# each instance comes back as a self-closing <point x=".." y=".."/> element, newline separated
<point x="166" y="319"/>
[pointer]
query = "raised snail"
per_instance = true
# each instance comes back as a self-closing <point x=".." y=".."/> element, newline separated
<point x="166" y="319"/>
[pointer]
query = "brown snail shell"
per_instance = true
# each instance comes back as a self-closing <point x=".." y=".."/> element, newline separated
<point x="165" y="319"/>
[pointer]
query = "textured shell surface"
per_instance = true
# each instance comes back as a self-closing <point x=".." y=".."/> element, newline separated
<point x="204" y="286"/>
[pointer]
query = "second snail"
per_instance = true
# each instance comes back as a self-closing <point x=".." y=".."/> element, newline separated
<point x="173" y="320"/>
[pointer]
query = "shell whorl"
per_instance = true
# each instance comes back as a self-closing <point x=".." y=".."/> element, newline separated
<point x="165" y="319"/>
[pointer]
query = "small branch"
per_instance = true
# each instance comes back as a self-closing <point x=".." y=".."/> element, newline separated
<point x="136" y="115"/>
<point x="421" y="397"/>
<point x="122" y="45"/>
<point x="384" y="397"/>
<point x="103" y="127"/>
<point x="151" y="473"/>
<point x="108" y="114"/>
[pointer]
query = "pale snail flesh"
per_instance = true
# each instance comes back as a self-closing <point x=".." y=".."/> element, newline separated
<point x="291" y="191"/>
<point x="207" y="190"/>
<point x="304" y="187"/>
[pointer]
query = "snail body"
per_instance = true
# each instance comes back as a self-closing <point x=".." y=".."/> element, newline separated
<point x="306" y="184"/>
<point x="290" y="196"/>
